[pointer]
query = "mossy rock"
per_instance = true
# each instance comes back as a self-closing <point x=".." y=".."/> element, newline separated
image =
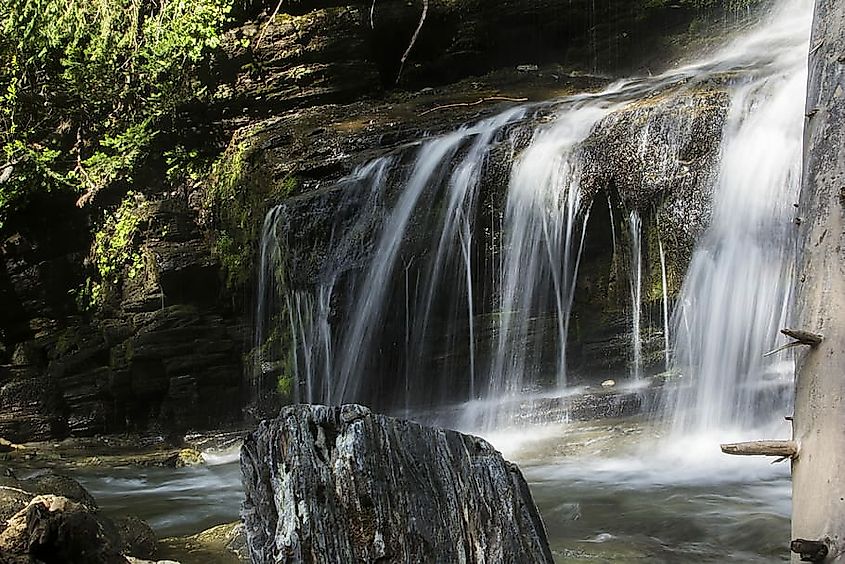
<point x="189" y="457"/>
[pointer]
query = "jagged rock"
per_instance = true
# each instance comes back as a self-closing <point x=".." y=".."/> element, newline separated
<point x="52" y="516"/>
<point x="55" y="529"/>
<point x="188" y="457"/>
<point x="340" y="484"/>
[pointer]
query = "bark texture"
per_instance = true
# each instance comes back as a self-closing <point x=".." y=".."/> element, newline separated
<point x="342" y="484"/>
<point x="819" y="422"/>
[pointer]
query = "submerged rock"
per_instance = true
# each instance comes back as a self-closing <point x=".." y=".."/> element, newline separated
<point x="342" y="484"/>
<point x="223" y="544"/>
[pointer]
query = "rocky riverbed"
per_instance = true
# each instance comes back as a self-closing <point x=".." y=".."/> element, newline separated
<point x="72" y="487"/>
<point x="607" y="489"/>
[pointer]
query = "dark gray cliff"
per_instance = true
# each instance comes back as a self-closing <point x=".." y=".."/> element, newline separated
<point x="334" y="484"/>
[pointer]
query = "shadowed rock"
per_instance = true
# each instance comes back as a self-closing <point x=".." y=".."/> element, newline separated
<point x="342" y="484"/>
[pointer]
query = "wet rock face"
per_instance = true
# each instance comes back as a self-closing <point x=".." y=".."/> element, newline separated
<point x="174" y="369"/>
<point x="166" y="353"/>
<point x="659" y="154"/>
<point x="344" y="484"/>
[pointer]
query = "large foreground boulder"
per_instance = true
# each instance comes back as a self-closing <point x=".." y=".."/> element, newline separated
<point x="342" y="484"/>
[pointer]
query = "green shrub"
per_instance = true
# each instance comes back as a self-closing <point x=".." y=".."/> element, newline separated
<point x="116" y="252"/>
<point x="86" y="86"/>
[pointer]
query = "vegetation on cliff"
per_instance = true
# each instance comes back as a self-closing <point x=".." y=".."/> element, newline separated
<point x="86" y="86"/>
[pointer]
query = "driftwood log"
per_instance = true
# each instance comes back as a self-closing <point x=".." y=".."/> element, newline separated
<point x="783" y="449"/>
<point x="342" y="484"/>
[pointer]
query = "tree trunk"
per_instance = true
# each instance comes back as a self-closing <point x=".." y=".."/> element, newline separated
<point x="819" y="422"/>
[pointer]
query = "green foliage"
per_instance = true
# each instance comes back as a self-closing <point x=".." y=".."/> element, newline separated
<point x="284" y="387"/>
<point x="116" y="253"/>
<point x="184" y="164"/>
<point x="86" y="85"/>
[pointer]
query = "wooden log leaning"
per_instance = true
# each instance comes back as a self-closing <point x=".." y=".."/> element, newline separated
<point x="782" y="449"/>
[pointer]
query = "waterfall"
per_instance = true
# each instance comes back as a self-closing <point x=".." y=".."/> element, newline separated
<point x="664" y="286"/>
<point x="636" y="284"/>
<point x="544" y="226"/>
<point x="735" y="294"/>
<point x="449" y="272"/>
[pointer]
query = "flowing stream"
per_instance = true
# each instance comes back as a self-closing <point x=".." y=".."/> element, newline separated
<point x="434" y="330"/>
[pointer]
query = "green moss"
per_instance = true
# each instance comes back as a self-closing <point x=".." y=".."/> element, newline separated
<point x="237" y="198"/>
<point x="675" y="266"/>
<point x="275" y="355"/>
<point x="116" y="251"/>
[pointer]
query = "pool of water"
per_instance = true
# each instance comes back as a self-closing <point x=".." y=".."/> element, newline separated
<point x="608" y="492"/>
<point x="617" y="494"/>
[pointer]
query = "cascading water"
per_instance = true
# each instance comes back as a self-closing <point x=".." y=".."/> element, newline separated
<point x="664" y="287"/>
<point x="735" y="294"/>
<point x="455" y="301"/>
<point x="544" y="235"/>
<point x="636" y="283"/>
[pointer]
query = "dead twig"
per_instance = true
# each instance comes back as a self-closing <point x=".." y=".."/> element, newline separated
<point x="476" y="103"/>
<point x="413" y="40"/>
<point x="267" y="24"/>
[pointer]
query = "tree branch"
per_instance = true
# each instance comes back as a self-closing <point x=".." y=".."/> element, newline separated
<point x="413" y="39"/>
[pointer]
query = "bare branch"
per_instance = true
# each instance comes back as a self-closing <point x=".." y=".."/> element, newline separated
<point x="267" y="24"/>
<point x="413" y="40"/>
<point x="476" y="103"/>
